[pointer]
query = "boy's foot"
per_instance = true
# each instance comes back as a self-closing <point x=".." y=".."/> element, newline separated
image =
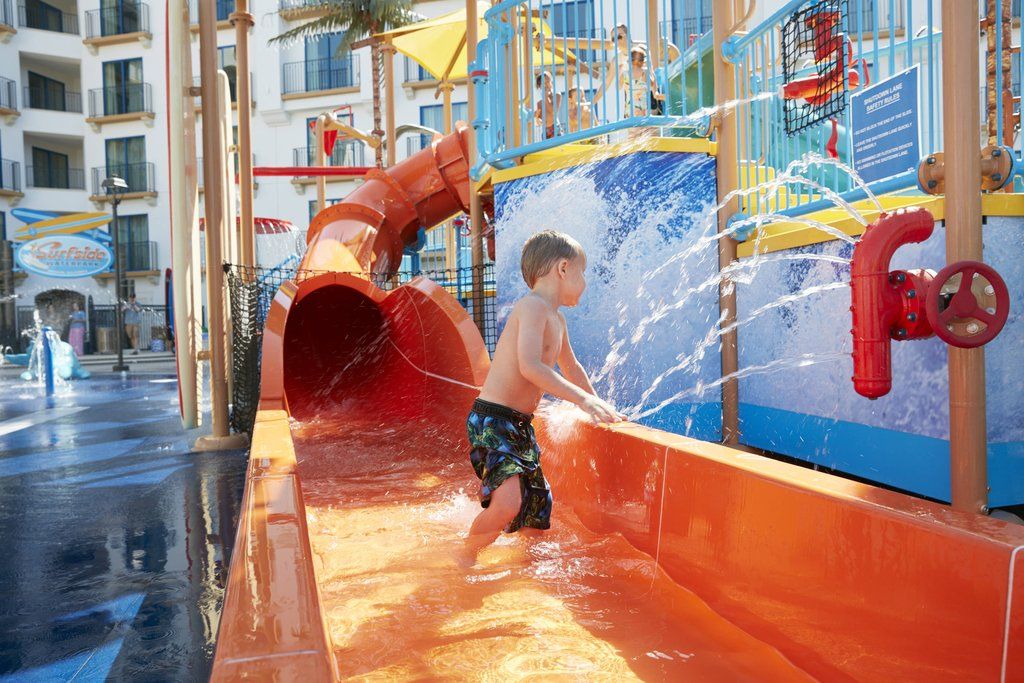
<point x="465" y="558"/>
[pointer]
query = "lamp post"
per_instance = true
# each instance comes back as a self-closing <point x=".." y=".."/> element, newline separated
<point x="115" y="186"/>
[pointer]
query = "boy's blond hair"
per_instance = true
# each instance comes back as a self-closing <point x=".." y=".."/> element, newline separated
<point x="543" y="250"/>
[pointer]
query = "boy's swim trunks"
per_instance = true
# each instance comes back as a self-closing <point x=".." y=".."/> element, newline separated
<point x="503" y="445"/>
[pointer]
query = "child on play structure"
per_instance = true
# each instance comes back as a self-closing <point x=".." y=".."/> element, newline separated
<point x="504" y="452"/>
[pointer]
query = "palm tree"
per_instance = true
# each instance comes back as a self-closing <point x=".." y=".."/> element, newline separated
<point x="357" y="19"/>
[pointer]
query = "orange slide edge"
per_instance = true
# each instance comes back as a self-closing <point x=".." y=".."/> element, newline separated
<point x="848" y="580"/>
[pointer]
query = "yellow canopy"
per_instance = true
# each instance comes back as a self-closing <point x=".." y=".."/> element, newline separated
<point x="439" y="45"/>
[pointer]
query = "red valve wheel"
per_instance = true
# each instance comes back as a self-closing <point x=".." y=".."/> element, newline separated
<point x="963" y="312"/>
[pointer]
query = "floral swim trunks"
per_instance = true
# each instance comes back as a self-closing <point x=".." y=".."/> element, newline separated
<point x="503" y="445"/>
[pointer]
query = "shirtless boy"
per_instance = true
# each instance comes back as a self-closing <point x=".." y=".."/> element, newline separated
<point x="504" y="452"/>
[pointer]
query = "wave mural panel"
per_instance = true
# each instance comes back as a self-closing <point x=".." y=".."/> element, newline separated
<point x="646" y="328"/>
<point x="810" y="411"/>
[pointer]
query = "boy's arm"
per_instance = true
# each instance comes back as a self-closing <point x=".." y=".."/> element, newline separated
<point x="528" y="348"/>
<point x="569" y="365"/>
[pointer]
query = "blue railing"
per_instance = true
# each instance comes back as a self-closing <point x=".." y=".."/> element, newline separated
<point x="872" y="31"/>
<point x="875" y="40"/>
<point x="590" y="59"/>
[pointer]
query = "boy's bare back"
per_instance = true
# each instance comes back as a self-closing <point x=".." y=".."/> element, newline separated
<point x="505" y="383"/>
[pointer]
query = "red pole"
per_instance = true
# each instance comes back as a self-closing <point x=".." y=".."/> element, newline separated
<point x="299" y="171"/>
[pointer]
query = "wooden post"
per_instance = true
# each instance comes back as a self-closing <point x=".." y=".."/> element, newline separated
<point x="388" y="50"/>
<point x="321" y="160"/>
<point x="653" y="44"/>
<point x="961" y="130"/>
<point x="243" y="21"/>
<point x="184" y="193"/>
<point x="728" y="181"/>
<point x="213" y="169"/>
<point x="230" y="239"/>
<point x="446" y="88"/>
<point x="475" y="211"/>
<point x="514" y="97"/>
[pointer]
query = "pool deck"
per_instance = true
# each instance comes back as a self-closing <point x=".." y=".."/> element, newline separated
<point x="117" y="538"/>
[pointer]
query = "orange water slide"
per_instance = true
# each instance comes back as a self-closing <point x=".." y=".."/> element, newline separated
<point x="669" y="558"/>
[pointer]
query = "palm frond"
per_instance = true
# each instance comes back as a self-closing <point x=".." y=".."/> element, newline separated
<point x="354" y="19"/>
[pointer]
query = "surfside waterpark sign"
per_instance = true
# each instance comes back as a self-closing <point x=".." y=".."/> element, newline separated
<point x="884" y="123"/>
<point x="64" y="256"/>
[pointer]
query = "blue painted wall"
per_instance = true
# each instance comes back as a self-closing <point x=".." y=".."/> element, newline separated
<point x="646" y="327"/>
<point x="901" y="439"/>
<point x="631" y="214"/>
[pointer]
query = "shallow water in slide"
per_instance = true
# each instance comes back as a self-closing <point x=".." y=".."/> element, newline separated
<point x="388" y="507"/>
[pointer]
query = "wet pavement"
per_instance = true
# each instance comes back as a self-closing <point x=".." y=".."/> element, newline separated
<point x="116" y="538"/>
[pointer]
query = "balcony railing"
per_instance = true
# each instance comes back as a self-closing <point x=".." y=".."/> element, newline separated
<point x="6" y="13"/>
<point x="139" y="177"/>
<point x="113" y="21"/>
<point x="46" y="18"/>
<point x="320" y="74"/>
<point x="888" y="17"/>
<point x="138" y="256"/>
<point x="684" y="31"/>
<point x="55" y="177"/>
<point x="8" y="94"/>
<point x="347" y="153"/>
<point x="285" y="5"/>
<point x="44" y="98"/>
<point x="10" y="175"/>
<point x="414" y="73"/>
<point x="199" y="168"/>
<point x="123" y="99"/>
<point x="292" y="10"/>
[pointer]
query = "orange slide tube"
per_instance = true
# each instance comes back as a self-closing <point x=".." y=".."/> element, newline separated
<point x="774" y="572"/>
<point x="337" y="348"/>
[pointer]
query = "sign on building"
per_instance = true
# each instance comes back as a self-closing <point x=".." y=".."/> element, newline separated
<point x="64" y="256"/>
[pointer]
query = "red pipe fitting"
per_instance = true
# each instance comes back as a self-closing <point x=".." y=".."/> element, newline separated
<point x="886" y="305"/>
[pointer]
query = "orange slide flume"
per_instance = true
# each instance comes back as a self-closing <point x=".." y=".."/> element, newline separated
<point x="359" y="491"/>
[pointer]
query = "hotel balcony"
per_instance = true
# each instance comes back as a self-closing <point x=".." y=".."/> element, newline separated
<point x="318" y="77"/>
<point x="6" y="21"/>
<point x="116" y="25"/>
<point x="132" y="102"/>
<point x="10" y="181"/>
<point x="297" y="10"/>
<point x="8" y="99"/>
<point x="49" y="17"/>
<point x="346" y="153"/>
<point x="139" y="176"/>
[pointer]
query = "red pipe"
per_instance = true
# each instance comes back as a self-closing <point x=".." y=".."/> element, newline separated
<point x="298" y="171"/>
<point x="878" y="300"/>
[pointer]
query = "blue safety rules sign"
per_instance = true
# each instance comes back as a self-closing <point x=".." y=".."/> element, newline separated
<point x="885" y="127"/>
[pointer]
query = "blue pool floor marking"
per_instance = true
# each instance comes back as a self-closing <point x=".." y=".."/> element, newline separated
<point x="94" y="664"/>
<point x="38" y="462"/>
<point x="16" y="424"/>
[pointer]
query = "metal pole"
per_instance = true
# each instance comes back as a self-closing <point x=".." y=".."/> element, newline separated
<point x="118" y="276"/>
<point x="728" y="181"/>
<point x="243" y="21"/>
<point x="475" y="211"/>
<point x="213" y="170"/>
<point x="961" y="129"/>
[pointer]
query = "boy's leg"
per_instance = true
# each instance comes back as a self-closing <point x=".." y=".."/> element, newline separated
<point x="503" y="508"/>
